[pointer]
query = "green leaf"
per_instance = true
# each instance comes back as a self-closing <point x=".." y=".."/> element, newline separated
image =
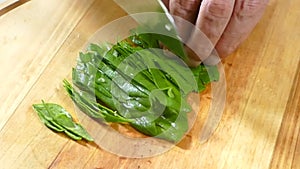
<point x="72" y="135"/>
<point x="93" y="108"/>
<point x="58" y="119"/>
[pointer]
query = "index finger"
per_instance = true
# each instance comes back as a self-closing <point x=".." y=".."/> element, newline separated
<point x="187" y="10"/>
<point x="213" y="17"/>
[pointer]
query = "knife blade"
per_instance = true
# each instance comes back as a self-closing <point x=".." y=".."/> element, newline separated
<point x="154" y="17"/>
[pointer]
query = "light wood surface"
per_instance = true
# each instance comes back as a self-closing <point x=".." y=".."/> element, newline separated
<point x="39" y="44"/>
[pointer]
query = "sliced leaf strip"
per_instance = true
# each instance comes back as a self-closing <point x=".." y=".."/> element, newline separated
<point x="58" y="119"/>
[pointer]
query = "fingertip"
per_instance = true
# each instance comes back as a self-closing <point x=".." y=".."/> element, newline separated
<point x="213" y="59"/>
<point x="218" y="8"/>
<point x="213" y="17"/>
<point x="193" y="60"/>
<point x="225" y="50"/>
<point x="193" y="63"/>
<point x="186" y="9"/>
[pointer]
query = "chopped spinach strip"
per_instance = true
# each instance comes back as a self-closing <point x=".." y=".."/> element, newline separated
<point x="58" y="119"/>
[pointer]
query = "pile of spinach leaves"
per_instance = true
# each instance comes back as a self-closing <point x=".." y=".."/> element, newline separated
<point x="132" y="82"/>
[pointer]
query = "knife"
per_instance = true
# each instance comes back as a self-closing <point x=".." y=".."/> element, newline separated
<point x="153" y="17"/>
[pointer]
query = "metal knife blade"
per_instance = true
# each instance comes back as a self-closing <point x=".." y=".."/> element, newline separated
<point x="154" y="16"/>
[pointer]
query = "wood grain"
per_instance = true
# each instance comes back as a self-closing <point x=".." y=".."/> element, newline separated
<point x="39" y="44"/>
<point x="286" y="154"/>
<point x="28" y="44"/>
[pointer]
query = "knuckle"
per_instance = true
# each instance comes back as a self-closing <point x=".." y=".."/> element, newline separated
<point x="187" y="9"/>
<point x="251" y="7"/>
<point x="220" y="8"/>
<point x="187" y="5"/>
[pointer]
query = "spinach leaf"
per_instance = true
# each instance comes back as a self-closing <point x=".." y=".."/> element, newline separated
<point x="58" y="119"/>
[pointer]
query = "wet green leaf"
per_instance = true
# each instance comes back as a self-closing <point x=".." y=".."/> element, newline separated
<point x="58" y="119"/>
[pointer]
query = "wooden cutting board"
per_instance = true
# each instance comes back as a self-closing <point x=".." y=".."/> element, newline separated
<point x="39" y="43"/>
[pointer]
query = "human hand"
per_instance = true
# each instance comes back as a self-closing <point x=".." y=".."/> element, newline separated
<point x="226" y="24"/>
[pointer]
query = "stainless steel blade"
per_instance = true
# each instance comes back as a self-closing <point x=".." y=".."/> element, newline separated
<point x="154" y="16"/>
